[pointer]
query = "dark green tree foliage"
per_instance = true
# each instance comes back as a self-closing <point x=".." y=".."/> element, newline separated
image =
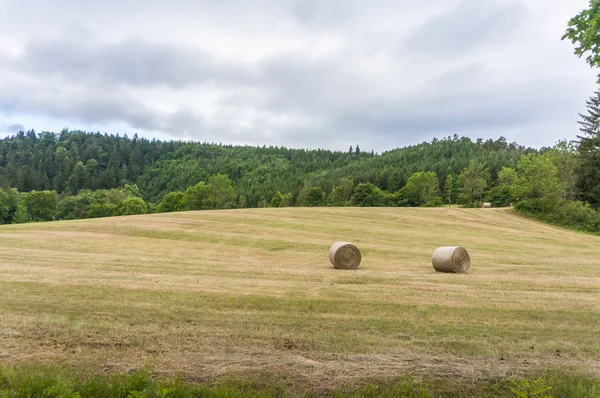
<point x="368" y="195"/>
<point x="50" y="161"/>
<point x="503" y="194"/>
<point x="9" y="205"/>
<point x="41" y="205"/>
<point x="589" y="152"/>
<point x="71" y="207"/>
<point x="315" y="196"/>
<point x="4" y="207"/>
<point x="391" y="170"/>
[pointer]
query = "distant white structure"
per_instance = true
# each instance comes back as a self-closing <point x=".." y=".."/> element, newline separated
<point x="487" y="205"/>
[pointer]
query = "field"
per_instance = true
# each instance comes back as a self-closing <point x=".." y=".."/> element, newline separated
<point x="251" y="293"/>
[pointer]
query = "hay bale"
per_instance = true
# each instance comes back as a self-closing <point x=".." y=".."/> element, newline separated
<point x="487" y="205"/>
<point x="454" y="259"/>
<point x="344" y="255"/>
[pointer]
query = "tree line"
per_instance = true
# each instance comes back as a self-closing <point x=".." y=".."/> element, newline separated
<point x="75" y="174"/>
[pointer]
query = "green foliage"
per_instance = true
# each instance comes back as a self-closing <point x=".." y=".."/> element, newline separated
<point x="341" y="194"/>
<point x="315" y="196"/>
<point x="450" y="189"/>
<point x="503" y="194"/>
<point x="196" y="197"/>
<point x="276" y="200"/>
<point x="22" y="382"/>
<point x="500" y="196"/>
<point x="584" y="32"/>
<point x="173" y="201"/>
<point x="217" y="194"/>
<point x="524" y="388"/>
<point x="221" y="194"/>
<point x="21" y="215"/>
<point x="52" y="383"/>
<point x="569" y="214"/>
<point x="564" y="157"/>
<point x="103" y="210"/>
<point x="75" y="161"/>
<point x="280" y="200"/>
<point x="131" y="191"/>
<point x="41" y="205"/>
<point x="472" y="182"/>
<point x="368" y="195"/>
<point x="79" y="178"/>
<point x="435" y="202"/>
<point x="4" y="207"/>
<point x="538" y="180"/>
<point x="73" y="207"/>
<point x="508" y="177"/>
<point x="422" y="189"/>
<point x="302" y="199"/>
<point x="133" y="205"/>
<point x="405" y="387"/>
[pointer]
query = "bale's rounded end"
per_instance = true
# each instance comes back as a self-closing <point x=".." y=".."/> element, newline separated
<point x="344" y="255"/>
<point x="454" y="259"/>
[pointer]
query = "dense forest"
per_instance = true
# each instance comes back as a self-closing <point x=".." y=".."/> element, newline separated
<point x="76" y="174"/>
<point x="70" y="162"/>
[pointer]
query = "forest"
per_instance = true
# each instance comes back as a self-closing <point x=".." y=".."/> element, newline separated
<point x="76" y="174"/>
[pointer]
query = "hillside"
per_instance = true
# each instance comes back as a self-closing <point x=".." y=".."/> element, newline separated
<point x="214" y="294"/>
<point x="72" y="161"/>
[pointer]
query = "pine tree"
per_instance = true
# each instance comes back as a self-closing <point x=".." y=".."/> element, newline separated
<point x="589" y="152"/>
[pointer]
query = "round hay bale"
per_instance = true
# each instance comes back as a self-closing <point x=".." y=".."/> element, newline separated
<point x="487" y="205"/>
<point x="454" y="259"/>
<point x="344" y="255"/>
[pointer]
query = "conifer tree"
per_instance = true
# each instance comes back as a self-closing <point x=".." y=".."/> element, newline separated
<point x="589" y="151"/>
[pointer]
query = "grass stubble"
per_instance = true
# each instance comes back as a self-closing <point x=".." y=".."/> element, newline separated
<point x="214" y="295"/>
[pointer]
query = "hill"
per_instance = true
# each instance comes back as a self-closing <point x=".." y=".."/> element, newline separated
<point x="72" y="161"/>
<point x="216" y="294"/>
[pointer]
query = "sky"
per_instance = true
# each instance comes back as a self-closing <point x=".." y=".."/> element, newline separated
<point x="297" y="73"/>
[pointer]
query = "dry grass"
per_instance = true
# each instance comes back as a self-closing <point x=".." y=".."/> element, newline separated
<point x="222" y="293"/>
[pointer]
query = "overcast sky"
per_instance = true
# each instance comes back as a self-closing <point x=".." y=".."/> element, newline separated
<point x="300" y="73"/>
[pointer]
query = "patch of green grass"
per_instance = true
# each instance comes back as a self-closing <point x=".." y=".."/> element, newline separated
<point x="27" y="381"/>
<point x="51" y="382"/>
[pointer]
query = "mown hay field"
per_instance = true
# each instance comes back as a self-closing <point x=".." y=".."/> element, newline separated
<point x="217" y="294"/>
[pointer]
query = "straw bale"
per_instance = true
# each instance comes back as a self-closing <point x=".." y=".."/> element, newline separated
<point x="454" y="259"/>
<point x="344" y="255"/>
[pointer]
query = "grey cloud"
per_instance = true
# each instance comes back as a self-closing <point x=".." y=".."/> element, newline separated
<point x="473" y="24"/>
<point x="11" y="128"/>
<point x="497" y="109"/>
<point x="304" y="10"/>
<point x="133" y="62"/>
